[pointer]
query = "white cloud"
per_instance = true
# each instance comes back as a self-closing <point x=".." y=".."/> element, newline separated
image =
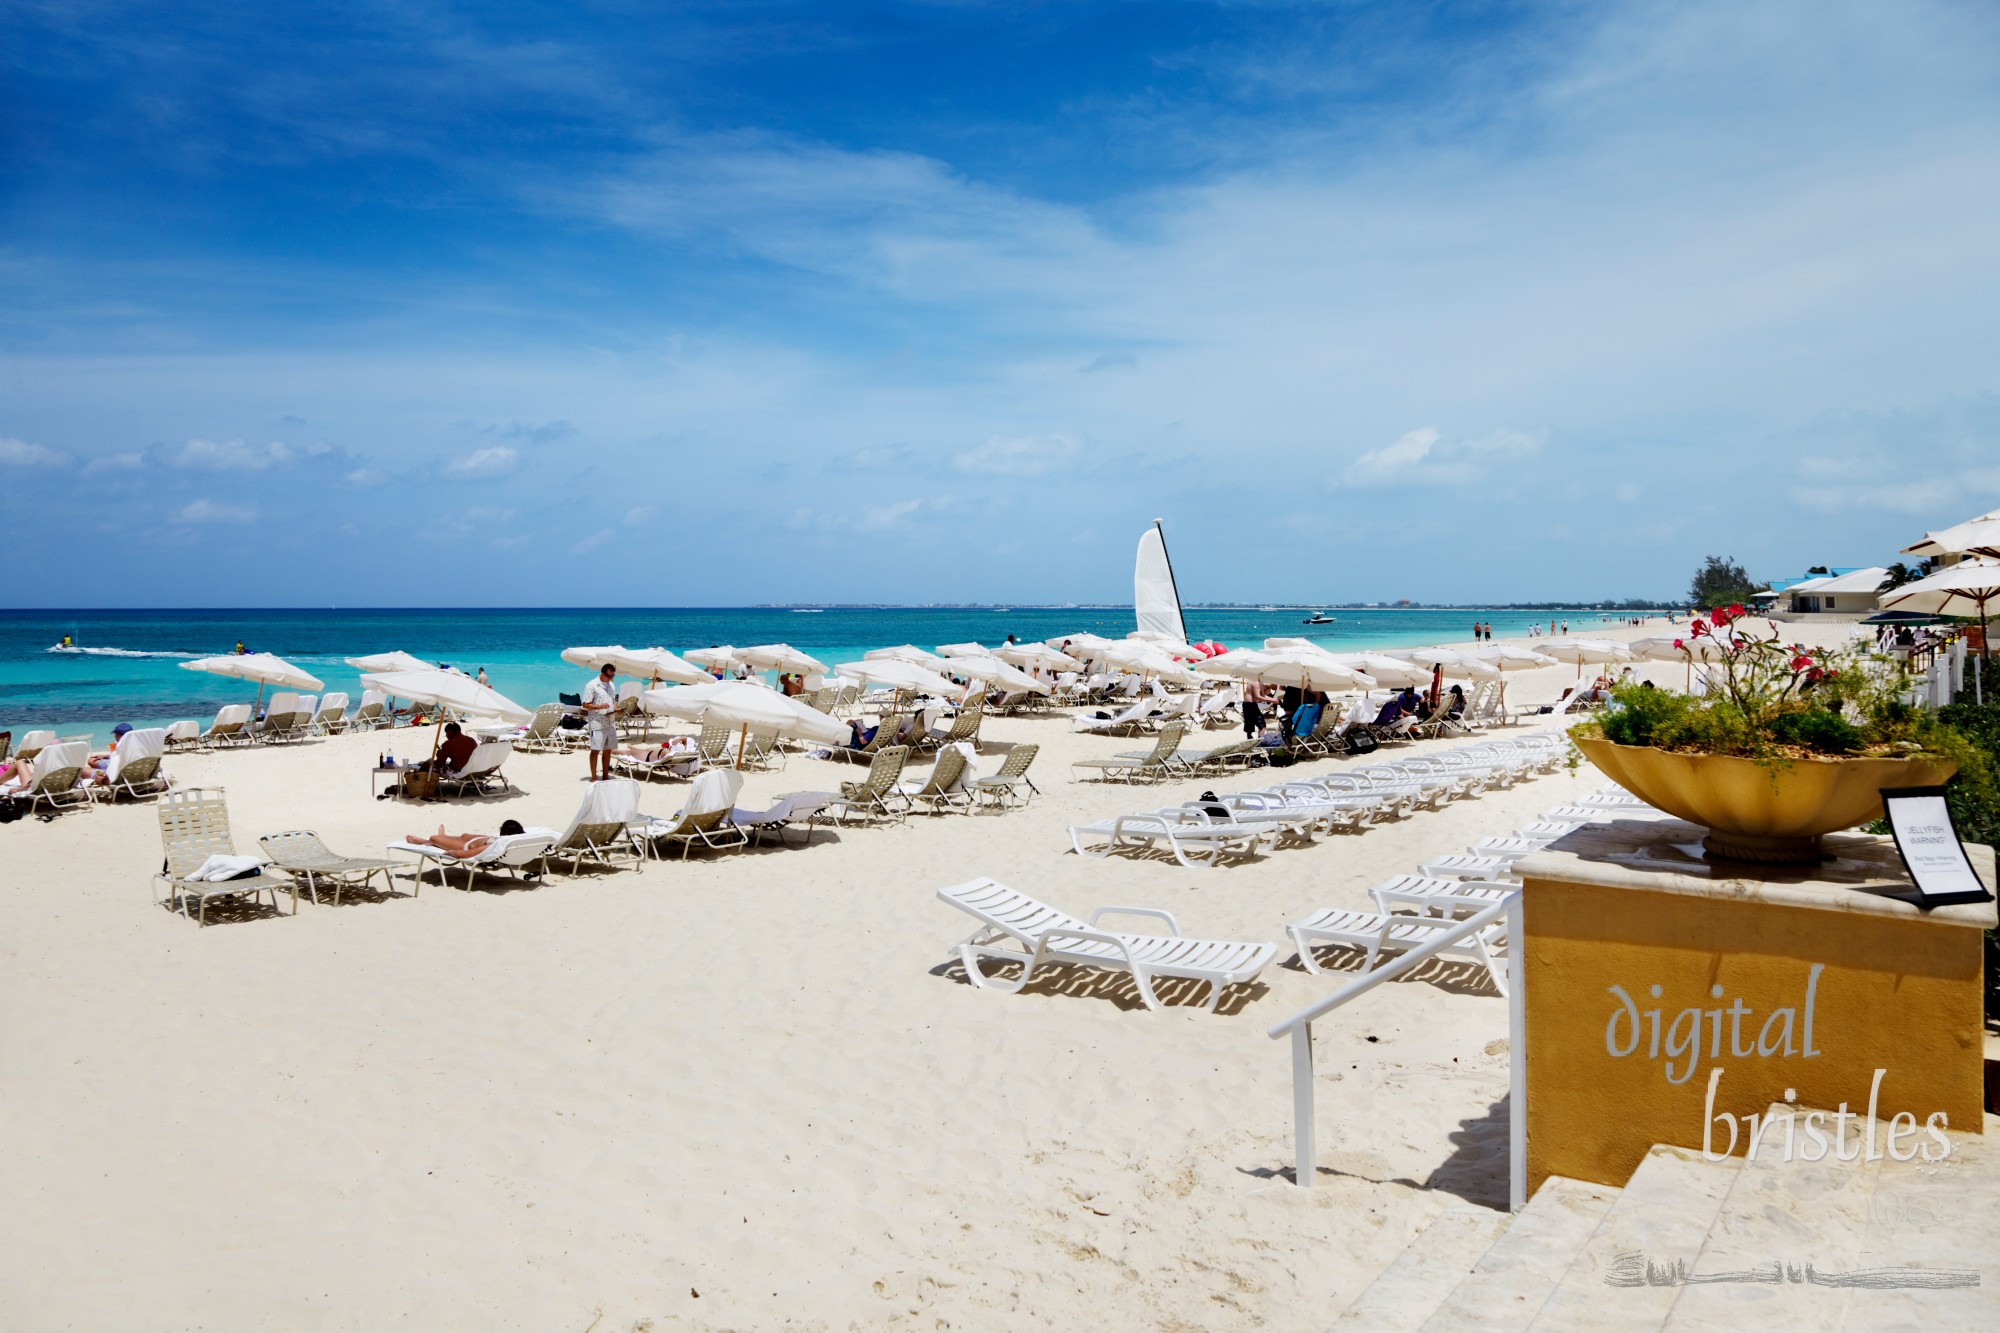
<point x="602" y="537"/>
<point x="1424" y="457"/>
<point x="207" y="511"/>
<point x="1017" y="456"/>
<point x="888" y="516"/>
<point x="639" y="515"/>
<point x="200" y="455"/>
<point x="20" y="453"/>
<point x="365" y="476"/>
<point x="494" y="462"/>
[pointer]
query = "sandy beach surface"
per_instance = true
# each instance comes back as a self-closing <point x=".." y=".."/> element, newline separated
<point x="752" y="1090"/>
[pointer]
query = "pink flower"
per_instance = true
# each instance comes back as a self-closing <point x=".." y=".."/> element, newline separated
<point x="1680" y="643"/>
<point x="1801" y="662"/>
<point x="1698" y="628"/>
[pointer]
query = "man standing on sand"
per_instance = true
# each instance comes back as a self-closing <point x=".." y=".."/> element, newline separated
<point x="600" y="700"/>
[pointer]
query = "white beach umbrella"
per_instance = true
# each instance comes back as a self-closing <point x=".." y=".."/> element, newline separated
<point x="1968" y="588"/>
<point x="1236" y="664"/>
<point x="896" y="674"/>
<point x="1306" y="668"/>
<point x="260" y="667"/>
<point x="393" y="661"/>
<point x="646" y="663"/>
<point x="996" y="672"/>
<point x="1393" y="672"/>
<point x="1145" y="658"/>
<point x="1449" y="660"/>
<point x="1036" y="655"/>
<point x="1580" y="651"/>
<point x="724" y="656"/>
<point x="904" y="652"/>
<point x="963" y="650"/>
<point x="1510" y="657"/>
<point x="779" y="657"/>
<point x="1085" y="646"/>
<point x="742" y="704"/>
<point x="1165" y="642"/>
<point x="1975" y="536"/>
<point x="447" y="689"/>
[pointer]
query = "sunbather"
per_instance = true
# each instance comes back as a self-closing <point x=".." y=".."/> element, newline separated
<point x="463" y="845"/>
<point x="667" y="749"/>
<point x="453" y="751"/>
<point x="97" y="769"/>
<point x="858" y="735"/>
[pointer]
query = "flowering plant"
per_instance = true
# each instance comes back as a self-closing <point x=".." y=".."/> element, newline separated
<point x="1772" y="701"/>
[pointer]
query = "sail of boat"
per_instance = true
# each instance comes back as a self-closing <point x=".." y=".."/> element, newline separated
<point x="1155" y="599"/>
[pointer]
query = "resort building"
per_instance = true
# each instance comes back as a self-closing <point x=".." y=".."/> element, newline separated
<point x="1843" y="594"/>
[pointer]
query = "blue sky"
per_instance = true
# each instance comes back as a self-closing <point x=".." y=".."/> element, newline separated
<point x="524" y="304"/>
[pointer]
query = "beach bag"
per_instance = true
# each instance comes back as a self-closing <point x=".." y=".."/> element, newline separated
<point x="573" y="700"/>
<point x="1362" y="742"/>
<point x="1213" y="807"/>
<point x="1282" y="759"/>
<point x="420" y="786"/>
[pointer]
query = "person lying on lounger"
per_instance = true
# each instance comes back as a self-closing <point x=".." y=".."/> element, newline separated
<point x="463" y="845"/>
<point x="667" y="749"/>
<point x="858" y="736"/>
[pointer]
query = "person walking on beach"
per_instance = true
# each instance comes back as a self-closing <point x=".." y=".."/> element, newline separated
<point x="600" y="701"/>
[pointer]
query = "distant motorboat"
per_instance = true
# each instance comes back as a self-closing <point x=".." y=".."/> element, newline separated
<point x="807" y="610"/>
<point x="1317" y="618"/>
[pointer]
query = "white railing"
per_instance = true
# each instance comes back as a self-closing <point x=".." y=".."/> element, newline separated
<point x="1299" y="1026"/>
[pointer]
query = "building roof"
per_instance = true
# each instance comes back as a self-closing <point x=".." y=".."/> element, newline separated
<point x="1859" y="581"/>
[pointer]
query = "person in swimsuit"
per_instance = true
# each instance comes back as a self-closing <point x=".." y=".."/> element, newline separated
<point x="463" y="845"/>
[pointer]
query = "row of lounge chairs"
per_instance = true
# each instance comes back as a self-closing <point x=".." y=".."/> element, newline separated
<point x="287" y="719"/>
<point x="1241" y="824"/>
<point x="57" y="777"/>
<point x="1017" y="930"/>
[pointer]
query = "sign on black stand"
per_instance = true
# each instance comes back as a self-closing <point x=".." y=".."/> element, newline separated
<point x="1929" y="844"/>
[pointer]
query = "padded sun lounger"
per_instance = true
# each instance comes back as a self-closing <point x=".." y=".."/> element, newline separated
<point x="520" y="855"/>
<point x="1191" y="838"/>
<point x="1041" y="935"/>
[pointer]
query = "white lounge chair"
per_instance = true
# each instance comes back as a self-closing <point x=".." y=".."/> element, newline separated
<point x="1461" y="866"/>
<point x="519" y="854"/>
<point x="1139" y="717"/>
<point x="1044" y="935"/>
<point x="194" y="831"/>
<point x="330" y="718"/>
<point x="1378" y="933"/>
<point x="602" y="829"/>
<point x="788" y="811"/>
<point x="184" y="735"/>
<point x="482" y="768"/>
<point x="231" y="727"/>
<point x="372" y="713"/>
<point x="1442" y="897"/>
<point x="1192" y="838"/>
<point x="1155" y="763"/>
<point x="52" y="776"/>
<point x="134" y="769"/>
<point x="703" y="822"/>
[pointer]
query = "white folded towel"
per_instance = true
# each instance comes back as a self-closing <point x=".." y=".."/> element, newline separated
<point x="218" y="868"/>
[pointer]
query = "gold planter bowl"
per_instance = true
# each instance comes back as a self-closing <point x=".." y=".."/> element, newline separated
<point x="1759" y="812"/>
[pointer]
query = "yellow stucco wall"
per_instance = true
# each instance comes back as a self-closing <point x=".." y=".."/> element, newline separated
<point x="1900" y="995"/>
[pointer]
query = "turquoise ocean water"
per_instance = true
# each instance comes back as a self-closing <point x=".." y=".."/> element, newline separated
<point x="129" y="668"/>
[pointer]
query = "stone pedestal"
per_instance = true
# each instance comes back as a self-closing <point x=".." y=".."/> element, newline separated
<point x="1667" y="998"/>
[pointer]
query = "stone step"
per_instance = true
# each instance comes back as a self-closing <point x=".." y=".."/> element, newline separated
<point x="1507" y="1285"/>
<point x="1403" y="1294"/>
<point x="1935" y="1215"/>
<point x="1661" y="1217"/>
<point x="1782" y="1214"/>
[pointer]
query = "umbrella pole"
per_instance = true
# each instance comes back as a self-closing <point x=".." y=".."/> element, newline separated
<point x="742" y="743"/>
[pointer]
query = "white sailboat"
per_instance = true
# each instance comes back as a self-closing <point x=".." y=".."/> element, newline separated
<point x="1155" y="600"/>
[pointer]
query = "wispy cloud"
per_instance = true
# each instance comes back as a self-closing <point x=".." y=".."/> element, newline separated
<point x="204" y="512"/>
<point x="21" y="453"/>
<point x="481" y="463"/>
<point x="1423" y="457"/>
<point x="1017" y="456"/>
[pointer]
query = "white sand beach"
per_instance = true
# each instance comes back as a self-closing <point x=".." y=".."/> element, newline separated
<point x="751" y="1090"/>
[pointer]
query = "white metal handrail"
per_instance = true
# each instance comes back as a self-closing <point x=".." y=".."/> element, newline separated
<point x="1299" y="1026"/>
